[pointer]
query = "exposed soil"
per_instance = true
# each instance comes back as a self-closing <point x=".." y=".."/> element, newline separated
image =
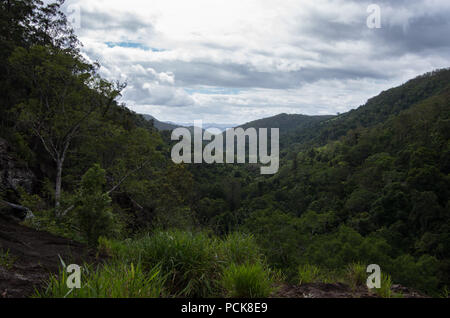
<point x="36" y="255"/>
<point x="337" y="290"/>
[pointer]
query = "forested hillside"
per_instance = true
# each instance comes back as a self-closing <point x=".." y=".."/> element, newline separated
<point x="60" y="118"/>
<point x="370" y="186"/>
<point x="377" y="110"/>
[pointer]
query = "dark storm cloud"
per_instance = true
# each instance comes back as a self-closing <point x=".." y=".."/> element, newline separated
<point x="421" y="35"/>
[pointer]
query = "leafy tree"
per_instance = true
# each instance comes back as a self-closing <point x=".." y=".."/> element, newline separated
<point x="93" y="206"/>
<point x="278" y="236"/>
<point x="64" y="92"/>
<point x="25" y="23"/>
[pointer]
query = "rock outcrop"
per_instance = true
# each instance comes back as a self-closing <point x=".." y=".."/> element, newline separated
<point x="13" y="176"/>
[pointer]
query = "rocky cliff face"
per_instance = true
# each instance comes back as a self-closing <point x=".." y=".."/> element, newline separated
<point x="13" y="175"/>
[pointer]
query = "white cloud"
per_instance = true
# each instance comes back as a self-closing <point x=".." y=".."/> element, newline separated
<point x="235" y="61"/>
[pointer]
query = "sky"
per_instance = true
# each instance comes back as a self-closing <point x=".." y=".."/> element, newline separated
<point x="234" y="61"/>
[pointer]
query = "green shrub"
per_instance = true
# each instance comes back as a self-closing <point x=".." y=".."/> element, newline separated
<point x="240" y="249"/>
<point x="247" y="281"/>
<point x="93" y="206"/>
<point x="445" y="293"/>
<point x="356" y="275"/>
<point x="421" y="274"/>
<point x="385" y="290"/>
<point x="309" y="274"/>
<point x="191" y="260"/>
<point x="114" y="249"/>
<point x="108" y="281"/>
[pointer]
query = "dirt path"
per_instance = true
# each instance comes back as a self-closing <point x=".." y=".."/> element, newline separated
<point x="36" y="255"/>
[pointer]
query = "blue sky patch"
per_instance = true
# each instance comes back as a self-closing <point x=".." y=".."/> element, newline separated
<point x="134" y="45"/>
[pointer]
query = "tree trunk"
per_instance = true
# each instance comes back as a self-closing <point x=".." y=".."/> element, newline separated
<point x="59" y="168"/>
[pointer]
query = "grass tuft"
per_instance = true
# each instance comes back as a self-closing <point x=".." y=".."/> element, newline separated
<point x="7" y="260"/>
<point x="108" y="281"/>
<point x="247" y="281"/>
<point x="356" y="275"/>
<point x="309" y="274"/>
<point x="386" y="285"/>
<point x="240" y="249"/>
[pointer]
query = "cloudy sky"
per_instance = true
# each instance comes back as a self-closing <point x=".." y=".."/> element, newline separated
<point x="233" y="61"/>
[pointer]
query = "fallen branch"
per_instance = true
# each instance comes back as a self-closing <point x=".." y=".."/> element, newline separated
<point x="29" y="214"/>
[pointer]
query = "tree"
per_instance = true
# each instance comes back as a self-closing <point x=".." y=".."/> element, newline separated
<point x="64" y="91"/>
<point x="277" y="234"/>
<point x="24" y="23"/>
<point x="93" y="206"/>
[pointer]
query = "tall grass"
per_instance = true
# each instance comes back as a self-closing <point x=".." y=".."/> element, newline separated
<point x="356" y="275"/>
<point x="193" y="262"/>
<point x="238" y="248"/>
<point x="445" y="293"/>
<point x="108" y="281"/>
<point x="190" y="260"/>
<point x="386" y="285"/>
<point x="309" y="274"/>
<point x="247" y="281"/>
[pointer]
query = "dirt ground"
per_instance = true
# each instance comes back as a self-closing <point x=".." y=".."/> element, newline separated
<point x="337" y="290"/>
<point x="36" y="256"/>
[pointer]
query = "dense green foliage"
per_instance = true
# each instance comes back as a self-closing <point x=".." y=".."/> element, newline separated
<point x="172" y="264"/>
<point x="61" y="119"/>
<point x="193" y="262"/>
<point x="109" y="281"/>
<point x="247" y="281"/>
<point x="92" y="212"/>
<point x="368" y="186"/>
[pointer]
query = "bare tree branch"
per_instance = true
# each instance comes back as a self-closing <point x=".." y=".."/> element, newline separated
<point x="115" y="187"/>
<point x="127" y="176"/>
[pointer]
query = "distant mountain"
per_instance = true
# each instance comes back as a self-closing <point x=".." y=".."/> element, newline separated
<point x="290" y="124"/>
<point x="160" y="125"/>
<point x="299" y="132"/>
<point x="221" y="127"/>
<point x="286" y="122"/>
<point x="206" y="126"/>
<point x="168" y="125"/>
<point x="377" y="110"/>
